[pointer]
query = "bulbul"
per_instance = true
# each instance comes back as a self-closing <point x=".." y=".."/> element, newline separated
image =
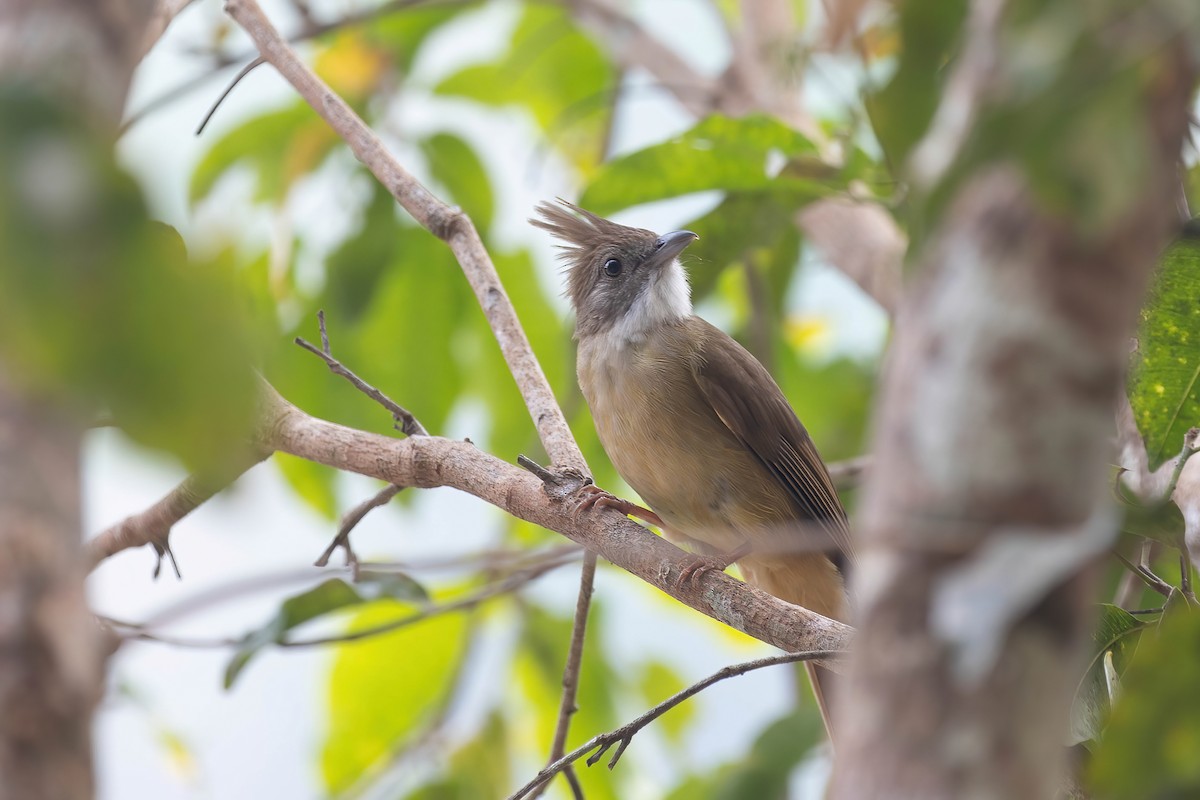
<point x="693" y="422"/>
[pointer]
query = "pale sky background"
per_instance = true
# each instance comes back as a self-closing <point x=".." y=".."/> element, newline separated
<point x="263" y="738"/>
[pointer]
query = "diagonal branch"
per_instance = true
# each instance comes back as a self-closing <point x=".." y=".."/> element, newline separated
<point x="430" y="461"/>
<point x="153" y="526"/>
<point x="622" y="736"/>
<point x="447" y="223"/>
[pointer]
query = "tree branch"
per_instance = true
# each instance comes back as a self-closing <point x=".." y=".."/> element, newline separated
<point x="429" y="461"/>
<point x="447" y="223"/>
<point x="153" y="526"/>
<point x="624" y="735"/>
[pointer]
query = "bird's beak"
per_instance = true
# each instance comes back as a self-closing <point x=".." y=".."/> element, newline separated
<point x="669" y="245"/>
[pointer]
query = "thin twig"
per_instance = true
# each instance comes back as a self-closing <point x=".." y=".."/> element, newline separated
<point x="515" y="581"/>
<point x="624" y="735"/>
<point x="224" y="62"/>
<point x="1148" y="577"/>
<point x="850" y="472"/>
<point x="351" y="519"/>
<point x="445" y="222"/>
<point x="243" y="72"/>
<point x="406" y="422"/>
<point x="570" y="681"/>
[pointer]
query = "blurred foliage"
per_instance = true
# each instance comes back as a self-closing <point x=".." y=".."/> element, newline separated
<point x="1149" y="748"/>
<point x="329" y="596"/>
<point x="102" y="305"/>
<point x="1163" y="389"/>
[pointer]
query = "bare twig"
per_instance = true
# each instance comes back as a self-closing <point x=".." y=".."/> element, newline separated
<point x="351" y="519"/>
<point x="624" y="735"/>
<point x="511" y="583"/>
<point x="243" y="72"/>
<point x="1147" y="576"/>
<point x="862" y="240"/>
<point x="406" y="422"/>
<point x="570" y="682"/>
<point x="223" y="62"/>
<point x="153" y="526"/>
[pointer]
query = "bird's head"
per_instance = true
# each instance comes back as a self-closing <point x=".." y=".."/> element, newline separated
<point x="620" y="280"/>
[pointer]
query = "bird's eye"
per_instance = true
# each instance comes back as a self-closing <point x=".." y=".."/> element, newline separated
<point x="612" y="268"/>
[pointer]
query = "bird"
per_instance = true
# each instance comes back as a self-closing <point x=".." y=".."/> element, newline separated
<point x="695" y="424"/>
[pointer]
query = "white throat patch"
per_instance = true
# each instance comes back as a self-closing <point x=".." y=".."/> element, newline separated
<point x="667" y="298"/>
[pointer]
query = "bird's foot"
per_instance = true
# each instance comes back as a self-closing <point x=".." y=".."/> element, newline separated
<point x="702" y="563"/>
<point x="595" y="497"/>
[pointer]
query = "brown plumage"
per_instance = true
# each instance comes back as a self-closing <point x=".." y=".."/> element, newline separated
<point x="692" y="421"/>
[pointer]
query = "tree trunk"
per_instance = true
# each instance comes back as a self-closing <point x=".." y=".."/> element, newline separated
<point x="80" y="53"/>
<point x="991" y="447"/>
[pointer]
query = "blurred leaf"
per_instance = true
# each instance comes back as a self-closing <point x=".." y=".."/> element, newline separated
<point x="455" y="166"/>
<point x="102" y="307"/>
<point x="764" y="774"/>
<point x="403" y="33"/>
<point x="765" y="771"/>
<point x="754" y="226"/>
<point x="1160" y="521"/>
<point x="753" y="153"/>
<point x="405" y="342"/>
<point x="901" y="112"/>
<point x="478" y="769"/>
<point x="1115" y="633"/>
<point x="329" y="596"/>
<point x="658" y="682"/>
<point x="314" y="483"/>
<point x="355" y="268"/>
<point x="1148" y="751"/>
<point x="351" y="64"/>
<point x="555" y="72"/>
<point x="1163" y="387"/>
<point x="382" y="689"/>
<point x="540" y="661"/>
<point x="279" y="146"/>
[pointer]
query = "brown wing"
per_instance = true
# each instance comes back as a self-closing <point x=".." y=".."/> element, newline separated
<point x="746" y="398"/>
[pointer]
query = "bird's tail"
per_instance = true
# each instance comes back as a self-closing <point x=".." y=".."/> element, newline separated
<point x="810" y="580"/>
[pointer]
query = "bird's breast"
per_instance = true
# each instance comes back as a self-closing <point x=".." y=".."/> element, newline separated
<point x="669" y="445"/>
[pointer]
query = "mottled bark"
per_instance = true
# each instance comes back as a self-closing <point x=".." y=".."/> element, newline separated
<point x="82" y="53"/>
<point x="991" y="441"/>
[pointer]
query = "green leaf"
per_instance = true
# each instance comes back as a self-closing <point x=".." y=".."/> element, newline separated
<point x="556" y="73"/>
<point x="540" y="662"/>
<point x="325" y="598"/>
<point x="1116" y="632"/>
<point x="902" y="110"/>
<point x="1164" y="386"/>
<point x="755" y="153"/>
<point x="456" y="167"/>
<point x="314" y="483"/>
<point x="658" y="682"/>
<point x="745" y="226"/>
<point x="776" y="752"/>
<point x="355" y="268"/>
<point x="403" y="33"/>
<point x="280" y="146"/>
<point x="1148" y="751"/>
<point x="477" y="769"/>
<point x="383" y="689"/>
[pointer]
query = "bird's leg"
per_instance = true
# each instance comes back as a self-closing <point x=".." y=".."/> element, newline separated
<point x="595" y="497"/>
<point x="704" y="562"/>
